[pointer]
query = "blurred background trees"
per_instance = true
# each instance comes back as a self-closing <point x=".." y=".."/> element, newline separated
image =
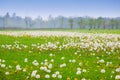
<point x="16" y="22"/>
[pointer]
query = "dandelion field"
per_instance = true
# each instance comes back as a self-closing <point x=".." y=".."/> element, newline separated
<point x="52" y="55"/>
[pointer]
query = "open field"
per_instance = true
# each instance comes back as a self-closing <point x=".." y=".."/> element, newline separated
<point x="60" y="55"/>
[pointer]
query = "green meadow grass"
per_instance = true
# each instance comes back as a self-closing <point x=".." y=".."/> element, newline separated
<point x="87" y="58"/>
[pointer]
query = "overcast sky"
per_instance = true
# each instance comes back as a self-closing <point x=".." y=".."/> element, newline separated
<point x="43" y="8"/>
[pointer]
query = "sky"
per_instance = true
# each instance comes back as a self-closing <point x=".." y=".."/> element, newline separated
<point x="67" y="8"/>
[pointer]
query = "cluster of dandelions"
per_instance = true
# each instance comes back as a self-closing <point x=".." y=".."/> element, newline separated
<point x="93" y="43"/>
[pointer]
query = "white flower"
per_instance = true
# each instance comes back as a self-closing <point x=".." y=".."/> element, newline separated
<point x="73" y="60"/>
<point x="118" y="70"/>
<point x="101" y="61"/>
<point x="84" y="70"/>
<point x="7" y="73"/>
<point x="50" y="66"/>
<point x="48" y="71"/>
<point x="51" y="54"/>
<point x="52" y="60"/>
<point x="3" y="65"/>
<point x="3" y="61"/>
<point x="45" y="60"/>
<point x="18" y="67"/>
<point x="33" y="74"/>
<point x="75" y="53"/>
<point x="83" y="79"/>
<point x="53" y="75"/>
<point x="78" y="69"/>
<point x="102" y="71"/>
<point x="63" y="65"/>
<point x="41" y="68"/>
<point x="26" y="60"/>
<point x="35" y="63"/>
<point x="59" y="76"/>
<point x="57" y="72"/>
<point x="78" y="72"/>
<point x="27" y="77"/>
<point x="70" y="60"/>
<point x="47" y="76"/>
<point x="24" y="70"/>
<point x="117" y="77"/>
<point x="37" y="76"/>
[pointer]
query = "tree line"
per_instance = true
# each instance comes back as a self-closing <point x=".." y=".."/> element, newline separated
<point x="60" y="22"/>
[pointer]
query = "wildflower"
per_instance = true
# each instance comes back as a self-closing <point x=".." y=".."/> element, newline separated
<point x="63" y="65"/>
<point x="73" y="60"/>
<point x="48" y="71"/>
<point x="35" y="63"/>
<point x="57" y="72"/>
<point x="7" y="73"/>
<point x="78" y="72"/>
<point x="2" y="65"/>
<point x="53" y="75"/>
<point x="24" y="70"/>
<point x="101" y="61"/>
<point x="25" y="60"/>
<point x="84" y="70"/>
<point x="70" y="60"/>
<point x="45" y="60"/>
<point x="75" y="53"/>
<point x="118" y="70"/>
<point x="50" y="66"/>
<point x="18" y="67"/>
<point x="47" y="76"/>
<point x="102" y="70"/>
<point x="3" y="61"/>
<point x="34" y="73"/>
<point x="59" y="76"/>
<point x="117" y="77"/>
<point x="51" y="54"/>
<point x="78" y="69"/>
<point x="37" y="76"/>
<point x="83" y="79"/>
<point x="52" y="60"/>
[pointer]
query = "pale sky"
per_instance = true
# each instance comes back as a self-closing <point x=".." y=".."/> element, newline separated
<point x="43" y="8"/>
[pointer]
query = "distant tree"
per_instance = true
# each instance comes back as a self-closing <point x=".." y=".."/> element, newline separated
<point x="99" y="22"/>
<point x="5" y="20"/>
<point x="71" y="23"/>
<point x="112" y="23"/>
<point x="14" y="15"/>
<point x="28" y="22"/>
<point x="91" y="23"/>
<point x="117" y="23"/>
<point x="104" y="24"/>
<point x="80" y="23"/>
<point x="62" y="22"/>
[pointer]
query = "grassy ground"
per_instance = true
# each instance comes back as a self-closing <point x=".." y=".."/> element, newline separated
<point x="68" y="63"/>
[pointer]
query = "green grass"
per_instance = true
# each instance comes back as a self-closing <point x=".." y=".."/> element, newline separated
<point x="88" y="59"/>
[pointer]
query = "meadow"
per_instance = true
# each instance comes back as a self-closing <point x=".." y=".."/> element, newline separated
<point x="60" y="55"/>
